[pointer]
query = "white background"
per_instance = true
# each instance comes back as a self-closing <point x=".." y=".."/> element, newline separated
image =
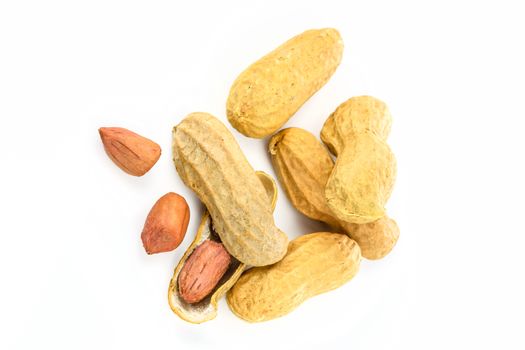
<point x="73" y="272"/>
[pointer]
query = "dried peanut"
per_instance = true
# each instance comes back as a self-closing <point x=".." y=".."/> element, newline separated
<point x="315" y="263"/>
<point x="166" y="224"/>
<point x="365" y="170"/>
<point x="362" y="179"/>
<point x="272" y="89"/>
<point x="131" y="152"/>
<point x="303" y="166"/>
<point x="210" y="162"/>
<point x="202" y="271"/>
<point x="206" y="309"/>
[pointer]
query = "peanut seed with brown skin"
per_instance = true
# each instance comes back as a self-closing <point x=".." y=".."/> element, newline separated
<point x="166" y="224"/>
<point x="202" y="271"/>
<point x="131" y="152"/>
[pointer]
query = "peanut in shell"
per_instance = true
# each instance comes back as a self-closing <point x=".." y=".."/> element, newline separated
<point x="365" y="170"/>
<point x="315" y="263"/>
<point x="362" y="180"/>
<point x="303" y="166"/>
<point x="211" y="163"/>
<point x="207" y="308"/>
<point x="271" y="90"/>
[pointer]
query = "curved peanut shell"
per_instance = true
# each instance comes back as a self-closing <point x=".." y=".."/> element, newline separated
<point x="206" y="309"/>
<point x="356" y="115"/>
<point x="315" y="263"/>
<point x="362" y="179"/>
<point x="210" y="162"/>
<point x="272" y="89"/>
<point x="303" y="166"/>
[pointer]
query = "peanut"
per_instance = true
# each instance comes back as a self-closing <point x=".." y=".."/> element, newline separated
<point x="272" y="89"/>
<point x="365" y="170"/>
<point x="131" y="152"/>
<point x="202" y="271"/>
<point x="206" y="309"/>
<point x="303" y="166"/>
<point x="315" y="263"/>
<point x="210" y="162"/>
<point x="166" y="224"/>
<point x="362" y="179"/>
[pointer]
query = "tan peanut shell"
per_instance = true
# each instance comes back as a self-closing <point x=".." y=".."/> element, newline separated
<point x="211" y="163"/>
<point x="356" y="115"/>
<point x="303" y="166"/>
<point x="315" y="263"/>
<point x="206" y="309"/>
<point x="362" y="179"/>
<point x="365" y="170"/>
<point x="272" y="89"/>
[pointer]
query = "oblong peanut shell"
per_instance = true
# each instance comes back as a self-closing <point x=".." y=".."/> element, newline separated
<point x="207" y="308"/>
<point x="271" y="90"/>
<point x="362" y="179"/>
<point x="315" y="263"/>
<point x="211" y="163"/>
<point x="303" y="166"/>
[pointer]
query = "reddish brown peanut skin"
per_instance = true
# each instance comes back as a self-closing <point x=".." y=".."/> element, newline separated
<point x="131" y="152"/>
<point x="202" y="271"/>
<point x="166" y="224"/>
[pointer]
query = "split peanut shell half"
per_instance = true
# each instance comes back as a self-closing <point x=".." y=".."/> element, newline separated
<point x="206" y="309"/>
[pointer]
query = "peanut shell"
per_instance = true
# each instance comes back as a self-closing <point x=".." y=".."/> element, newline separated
<point x="315" y="263"/>
<point x="206" y="309"/>
<point x="271" y="90"/>
<point x="303" y="166"/>
<point x="376" y="239"/>
<point x="362" y="180"/>
<point x="211" y="163"/>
